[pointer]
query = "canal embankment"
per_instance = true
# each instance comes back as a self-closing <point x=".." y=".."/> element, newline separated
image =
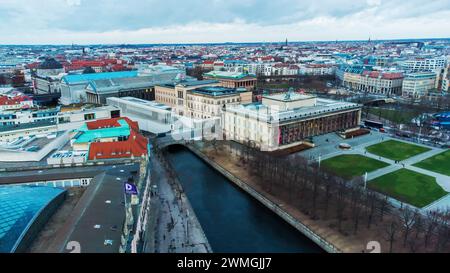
<point x="233" y="221"/>
<point x="327" y="241"/>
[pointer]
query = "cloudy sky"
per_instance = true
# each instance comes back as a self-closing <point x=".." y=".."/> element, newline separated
<point x="192" y="21"/>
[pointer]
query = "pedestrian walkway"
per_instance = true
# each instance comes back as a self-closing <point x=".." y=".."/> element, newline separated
<point x="177" y="229"/>
<point x="441" y="204"/>
<point x="442" y="180"/>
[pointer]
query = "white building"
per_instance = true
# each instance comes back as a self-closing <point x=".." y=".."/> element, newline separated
<point x="69" y="120"/>
<point x="424" y="64"/>
<point x="29" y="123"/>
<point x="285" y="120"/>
<point x="158" y="118"/>
<point x="417" y="85"/>
<point x="151" y="116"/>
<point x="317" y="69"/>
<point x="15" y="102"/>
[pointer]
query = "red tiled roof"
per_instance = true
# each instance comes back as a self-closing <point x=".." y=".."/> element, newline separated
<point x="33" y="65"/>
<point x="135" y="145"/>
<point x="5" y="100"/>
<point x="318" y="65"/>
<point x="112" y="122"/>
<point x="385" y="75"/>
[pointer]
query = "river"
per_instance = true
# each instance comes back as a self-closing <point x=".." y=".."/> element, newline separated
<point x="232" y="220"/>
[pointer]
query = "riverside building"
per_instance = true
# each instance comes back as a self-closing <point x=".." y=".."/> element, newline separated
<point x="288" y="119"/>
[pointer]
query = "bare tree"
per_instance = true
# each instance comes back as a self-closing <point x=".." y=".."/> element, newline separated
<point x="391" y="232"/>
<point x="409" y="218"/>
<point x="432" y="219"/>
<point x="341" y="203"/>
<point x="384" y="204"/>
<point x="370" y="201"/>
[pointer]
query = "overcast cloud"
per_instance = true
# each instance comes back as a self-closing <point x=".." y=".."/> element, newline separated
<point x="176" y="21"/>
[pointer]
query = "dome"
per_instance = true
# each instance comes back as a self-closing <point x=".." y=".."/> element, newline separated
<point x="50" y="63"/>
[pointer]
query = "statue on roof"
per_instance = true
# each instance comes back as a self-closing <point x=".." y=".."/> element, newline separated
<point x="289" y="93"/>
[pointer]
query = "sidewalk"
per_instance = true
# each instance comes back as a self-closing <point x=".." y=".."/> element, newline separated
<point x="177" y="228"/>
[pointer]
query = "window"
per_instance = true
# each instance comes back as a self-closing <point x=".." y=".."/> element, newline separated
<point x="89" y="116"/>
<point x="84" y="182"/>
<point x="115" y="113"/>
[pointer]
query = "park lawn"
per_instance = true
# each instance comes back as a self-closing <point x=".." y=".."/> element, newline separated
<point x="410" y="187"/>
<point x="393" y="115"/>
<point x="396" y="150"/>
<point x="348" y="166"/>
<point x="439" y="163"/>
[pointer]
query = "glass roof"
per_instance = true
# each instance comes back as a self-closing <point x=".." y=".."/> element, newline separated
<point x="19" y="206"/>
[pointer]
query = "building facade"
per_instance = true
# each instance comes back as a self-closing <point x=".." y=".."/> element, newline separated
<point x="110" y="139"/>
<point x="383" y="83"/>
<point x="375" y="82"/>
<point x="285" y="120"/>
<point x="73" y="87"/>
<point x="139" y="87"/>
<point x="424" y="64"/>
<point x="417" y="85"/>
<point x="175" y="94"/>
<point x="232" y="79"/>
<point x="208" y="102"/>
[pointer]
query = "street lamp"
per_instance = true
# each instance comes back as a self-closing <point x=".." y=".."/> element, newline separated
<point x="365" y="180"/>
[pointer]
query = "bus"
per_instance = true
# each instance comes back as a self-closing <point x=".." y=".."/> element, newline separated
<point x="373" y="124"/>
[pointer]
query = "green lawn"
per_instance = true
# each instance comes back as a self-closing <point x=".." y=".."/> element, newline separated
<point x="410" y="187"/>
<point x="393" y="115"/>
<point x="396" y="150"/>
<point x="349" y="166"/>
<point x="439" y="163"/>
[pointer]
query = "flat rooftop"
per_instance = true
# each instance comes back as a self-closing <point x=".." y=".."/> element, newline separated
<point x="272" y="114"/>
<point x="85" y="135"/>
<point x="30" y="125"/>
<point x="287" y="97"/>
<point x="142" y="102"/>
<point x="216" y="91"/>
<point x="189" y="83"/>
<point x="32" y="144"/>
<point x="229" y="75"/>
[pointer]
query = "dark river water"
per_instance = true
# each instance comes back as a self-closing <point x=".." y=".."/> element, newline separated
<point x="232" y="220"/>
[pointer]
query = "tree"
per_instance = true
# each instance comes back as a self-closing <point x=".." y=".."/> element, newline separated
<point x="341" y="203"/>
<point x="356" y="208"/>
<point x="432" y="219"/>
<point x="409" y="218"/>
<point x="316" y="180"/>
<point x="329" y="183"/>
<point x="391" y="231"/>
<point x="370" y="199"/>
<point x="384" y="204"/>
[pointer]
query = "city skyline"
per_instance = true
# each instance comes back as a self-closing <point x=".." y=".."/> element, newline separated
<point x="149" y="22"/>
